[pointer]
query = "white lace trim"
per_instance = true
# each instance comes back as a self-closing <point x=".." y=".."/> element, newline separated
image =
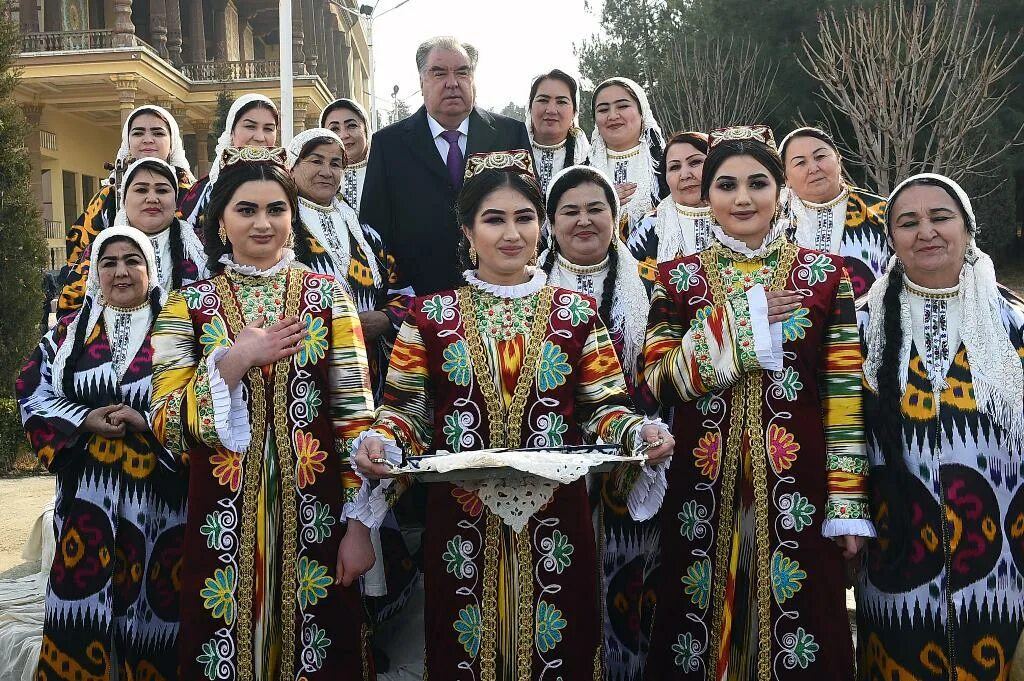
<point x="779" y="227"/>
<point x="230" y="413"/>
<point x="681" y="230"/>
<point x="287" y="258"/>
<point x="370" y="507"/>
<point x="820" y="225"/>
<point x="767" y="337"/>
<point x="126" y="332"/>
<point x="527" y="288"/>
<point x="840" y="527"/>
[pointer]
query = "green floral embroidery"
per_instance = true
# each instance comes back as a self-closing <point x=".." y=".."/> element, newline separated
<point x="786" y="383"/>
<point x="699" y="317"/>
<point x="681" y="278"/>
<point x="311" y="400"/>
<point x="315" y="640"/>
<point x="314" y="344"/>
<point x="793" y="326"/>
<point x="687" y="652"/>
<point x="319" y="525"/>
<point x="559" y="552"/>
<point x="549" y="626"/>
<point x="697" y="581"/>
<point x="456" y="557"/>
<point x="553" y="367"/>
<point x="439" y="309"/>
<point x="706" y="403"/>
<point x="469" y="628"/>
<point x="454" y="429"/>
<point x="456" y="363"/>
<point x="554" y="428"/>
<point x="800" y="648"/>
<point x="212" y="529"/>
<point x="215" y="335"/>
<point x="800" y="511"/>
<point x="578" y="311"/>
<point x="693" y="520"/>
<point x="218" y="595"/>
<point x="786" y="577"/>
<point x="817" y="269"/>
<point x="209" y="658"/>
<point x="193" y="298"/>
<point x="313" y="582"/>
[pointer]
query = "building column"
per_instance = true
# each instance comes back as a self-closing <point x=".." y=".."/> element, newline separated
<point x="197" y="32"/>
<point x="321" y="37"/>
<point x="220" y="31"/>
<point x="343" y="52"/>
<point x="331" y="38"/>
<point x="124" y="29"/>
<point x="304" y="9"/>
<point x="158" y="27"/>
<point x="301" y="105"/>
<point x="127" y="85"/>
<point x="174" y="31"/>
<point x="34" y="114"/>
<point x="29" y="15"/>
<point x="201" y="129"/>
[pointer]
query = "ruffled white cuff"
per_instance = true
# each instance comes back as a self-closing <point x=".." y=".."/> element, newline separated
<point x="767" y="337"/>
<point x="230" y="414"/>
<point x="648" y="491"/>
<point x="370" y="506"/>
<point x="838" y="527"/>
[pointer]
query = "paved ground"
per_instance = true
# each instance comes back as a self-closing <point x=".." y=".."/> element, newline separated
<point x="21" y="499"/>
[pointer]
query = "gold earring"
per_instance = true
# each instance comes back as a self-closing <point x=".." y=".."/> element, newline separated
<point x="223" y="234"/>
<point x="472" y="255"/>
<point x="290" y="241"/>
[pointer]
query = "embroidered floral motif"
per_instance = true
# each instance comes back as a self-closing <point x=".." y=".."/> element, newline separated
<point x="469" y="501"/>
<point x="554" y="427"/>
<point x="782" y="448"/>
<point x="575" y="309"/>
<point x="697" y="582"/>
<point x="815" y="268"/>
<point x="314" y="344"/>
<point x="707" y="403"/>
<point x="800" y="648"/>
<point x="210" y="658"/>
<point x="456" y="557"/>
<point x="439" y="309"/>
<point x="681" y="277"/>
<point x="215" y="335"/>
<point x="315" y="640"/>
<point x="503" y="318"/>
<point x="456" y="428"/>
<point x="553" y="367"/>
<point x="212" y="529"/>
<point x="193" y="297"/>
<point x="558" y="550"/>
<point x="798" y="511"/>
<point x="787" y="577"/>
<point x="218" y="595"/>
<point x="687" y="652"/>
<point x="549" y="626"/>
<point x="693" y="520"/>
<point x="469" y="628"/>
<point x="319" y="523"/>
<point x="786" y="384"/>
<point x="456" y="363"/>
<point x="707" y="454"/>
<point x="794" y="325"/>
<point x="701" y="315"/>
<point x="313" y="582"/>
<point x="227" y="468"/>
<point x="309" y="458"/>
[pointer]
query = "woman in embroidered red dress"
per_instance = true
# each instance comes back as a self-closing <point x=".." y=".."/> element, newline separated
<point x="506" y="362"/>
<point x="753" y="342"/>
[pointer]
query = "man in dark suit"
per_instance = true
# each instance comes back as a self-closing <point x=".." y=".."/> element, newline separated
<point x="414" y="172"/>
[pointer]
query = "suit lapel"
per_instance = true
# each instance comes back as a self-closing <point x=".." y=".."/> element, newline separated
<point x="421" y="142"/>
<point x="481" y="132"/>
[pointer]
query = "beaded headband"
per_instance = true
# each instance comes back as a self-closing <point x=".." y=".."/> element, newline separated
<point x="514" y="161"/>
<point x="758" y="133"/>
<point x="233" y="155"/>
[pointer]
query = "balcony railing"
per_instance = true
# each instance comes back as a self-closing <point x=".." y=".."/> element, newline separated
<point x="54" y="230"/>
<point x="48" y="140"/>
<point x="67" y="41"/>
<point x="231" y="70"/>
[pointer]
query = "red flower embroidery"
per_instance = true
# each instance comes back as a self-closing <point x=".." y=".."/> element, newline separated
<point x="782" y="448"/>
<point x="708" y="454"/>
<point x="227" y="468"/>
<point x="310" y="458"/>
<point x="469" y="501"/>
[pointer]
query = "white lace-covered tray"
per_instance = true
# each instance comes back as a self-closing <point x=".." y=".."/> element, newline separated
<point x="558" y="464"/>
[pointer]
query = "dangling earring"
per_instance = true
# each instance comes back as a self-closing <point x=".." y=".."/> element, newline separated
<point x="223" y="234"/>
<point x="713" y="219"/>
<point x="290" y="241"/>
<point x="472" y="255"/>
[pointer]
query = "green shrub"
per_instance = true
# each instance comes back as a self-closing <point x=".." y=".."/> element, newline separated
<point x="12" y="436"/>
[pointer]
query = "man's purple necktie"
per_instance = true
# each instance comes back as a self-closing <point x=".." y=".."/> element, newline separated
<point x="455" y="162"/>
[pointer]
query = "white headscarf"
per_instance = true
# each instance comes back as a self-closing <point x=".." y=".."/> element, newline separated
<point x="92" y="307"/>
<point x="346" y="103"/>
<point x="224" y="141"/>
<point x="342" y="209"/>
<point x="630" y="303"/>
<point x="177" y="156"/>
<point x="581" y="146"/>
<point x="995" y="365"/>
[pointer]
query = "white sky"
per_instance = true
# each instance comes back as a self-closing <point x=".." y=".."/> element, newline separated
<point x="515" y="43"/>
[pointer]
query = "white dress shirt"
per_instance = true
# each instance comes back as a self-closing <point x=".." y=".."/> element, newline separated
<point x="441" y="143"/>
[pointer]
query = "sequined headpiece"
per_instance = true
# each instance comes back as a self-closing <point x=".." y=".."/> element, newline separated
<point x="758" y="133"/>
<point x="233" y="155"/>
<point x="513" y="161"/>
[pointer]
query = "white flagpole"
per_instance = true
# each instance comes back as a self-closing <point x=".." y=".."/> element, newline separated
<point x="287" y="85"/>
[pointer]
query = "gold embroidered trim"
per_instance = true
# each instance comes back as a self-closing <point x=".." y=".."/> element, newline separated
<point x="326" y="210"/>
<point x="598" y="667"/>
<point x="356" y="165"/>
<point x="549" y="147"/>
<point x="691" y="212"/>
<point x="286" y="462"/>
<point x="930" y="293"/>
<point x="364" y="652"/>
<point x="744" y="414"/>
<point x="489" y="604"/>
<point x="250" y="492"/>
<point x="527" y="616"/>
<point x="628" y="153"/>
<point x="572" y="267"/>
<point x="844" y="194"/>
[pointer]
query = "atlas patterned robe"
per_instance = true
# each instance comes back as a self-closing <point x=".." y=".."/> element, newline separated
<point x="192" y="205"/>
<point x="955" y="610"/>
<point x="264" y="526"/>
<point x="99" y="214"/>
<point x="470" y="371"/>
<point x="753" y="590"/>
<point x="862" y="243"/>
<point x="112" y="596"/>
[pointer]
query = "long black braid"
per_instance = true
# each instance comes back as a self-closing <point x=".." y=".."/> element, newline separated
<point x="570" y="150"/>
<point x="608" y="295"/>
<point x="177" y="254"/>
<point x="302" y="237"/>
